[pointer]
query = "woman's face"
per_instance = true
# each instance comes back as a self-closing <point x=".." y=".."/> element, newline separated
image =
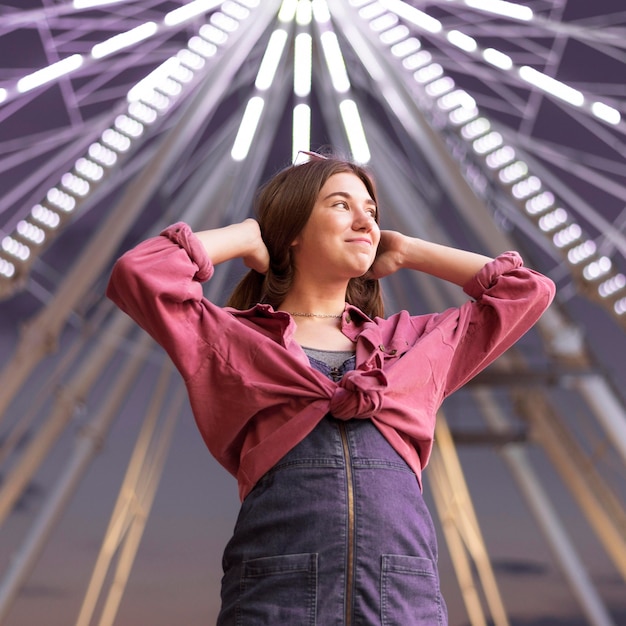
<point x="341" y="236"/>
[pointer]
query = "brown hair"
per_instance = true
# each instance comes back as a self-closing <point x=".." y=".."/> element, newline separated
<point x="283" y="207"/>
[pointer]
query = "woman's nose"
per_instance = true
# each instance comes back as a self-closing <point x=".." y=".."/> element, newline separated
<point x="363" y="219"/>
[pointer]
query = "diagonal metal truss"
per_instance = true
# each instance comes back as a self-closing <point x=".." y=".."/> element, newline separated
<point x="433" y="182"/>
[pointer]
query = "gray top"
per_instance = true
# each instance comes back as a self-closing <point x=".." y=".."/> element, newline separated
<point x="332" y="358"/>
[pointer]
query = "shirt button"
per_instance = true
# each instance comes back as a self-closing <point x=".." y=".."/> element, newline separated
<point x="381" y="347"/>
<point x="348" y="320"/>
<point x="393" y="352"/>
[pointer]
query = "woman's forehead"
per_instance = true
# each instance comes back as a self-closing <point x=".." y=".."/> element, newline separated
<point x="345" y="182"/>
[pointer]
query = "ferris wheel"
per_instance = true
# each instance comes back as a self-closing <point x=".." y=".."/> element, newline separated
<point x="488" y="124"/>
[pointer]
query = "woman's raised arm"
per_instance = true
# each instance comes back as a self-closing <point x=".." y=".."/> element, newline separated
<point x="397" y="251"/>
<point x="241" y="240"/>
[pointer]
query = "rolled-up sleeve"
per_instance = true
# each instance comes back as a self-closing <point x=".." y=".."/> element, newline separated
<point x="508" y="299"/>
<point x="159" y="285"/>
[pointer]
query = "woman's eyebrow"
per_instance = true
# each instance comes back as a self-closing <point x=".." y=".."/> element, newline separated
<point x="345" y="194"/>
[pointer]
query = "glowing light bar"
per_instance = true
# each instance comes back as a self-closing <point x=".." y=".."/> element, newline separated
<point x="75" y="184"/>
<point x="501" y="157"/>
<point x="620" y="307"/>
<point x="513" y="172"/>
<point x="551" y="85"/>
<point x="247" y="128"/>
<point x="115" y="140"/>
<point x="227" y="24"/>
<point x="566" y="237"/>
<point x="499" y="7"/>
<point x="213" y="34"/>
<point x="419" y="59"/>
<point x="301" y="131"/>
<point x="372" y="11"/>
<point x="476" y="128"/>
<point x="606" y="113"/>
<point x="540" y="203"/>
<point x="413" y="15"/>
<point x="335" y="62"/>
<point x="498" y="59"/>
<point x="287" y="12"/>
<point x="553" y="220"/>
<point x="47" y="74"/>
<point x="3" y="94"/>
<point x="147" y="85"/>
<point x="440" y="87"/>
<point x="462" y="115"/>
<point x="47" y="218"/>
<point x="101" y="154"/>
<point x="142" y="112"/>
<point x="406" y="47"/>
<point x="15" y="248"/>
<point x="321" y="13"/>
<point x="189" y="11"/>
<point x="190" y="59"/>
<point x="462" y="41"/>
<point x="202" y="46"/>
<point x="61" y="200"/>
<point x="384" y="22"/>
<point x="489" y="142"/>
<point x="304" y="13"/>
<point x="123" y="40"/>
<point x="7" y="269"/>
<point x="454" y="99"/>
<point x="428" y="73"/>
<point x="354" y="129"/>
<point x="581" y="252"/>
<point x="130" y="127"/>
<point x="88" y="169"/>
<point x="303" y="64"/>
<point x="271" y="59"/>
<point x="32" y="233"/>
<point x="234" y="9"/>
<point x="598" y="269"/>
<point x="612" y="285"/>
<point x="526" y="188"/>
<point x="392" y="36"/>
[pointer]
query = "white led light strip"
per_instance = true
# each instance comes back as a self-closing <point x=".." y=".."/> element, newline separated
<point x="121" y="41"/>
<point x="500" y="60"/>
<point x="539" y="204"/>
<point x="146" y="101"/>
<point x="336" y="65"/>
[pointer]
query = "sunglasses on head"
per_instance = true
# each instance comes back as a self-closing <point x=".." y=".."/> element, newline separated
<point x="304" y="156"/>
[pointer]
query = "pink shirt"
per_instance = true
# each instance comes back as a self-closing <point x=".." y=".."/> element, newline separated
<point x="252" y="391"/>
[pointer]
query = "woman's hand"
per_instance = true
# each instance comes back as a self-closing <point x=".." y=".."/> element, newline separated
<point x="242" y="240"/>
<point x="257" y="257"/>
<point x="390" y="254"/>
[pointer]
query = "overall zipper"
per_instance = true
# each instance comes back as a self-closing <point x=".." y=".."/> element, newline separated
<point x="351" y="526"/>
<point x="336" y="375"/>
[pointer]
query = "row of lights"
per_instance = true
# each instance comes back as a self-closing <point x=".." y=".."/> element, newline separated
<point x="302" y="13"/>
<point x="539" y="204"/>
<point x="496" y="58"/>
<point x="146" y="101"/>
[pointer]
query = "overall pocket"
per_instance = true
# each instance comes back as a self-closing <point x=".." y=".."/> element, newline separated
<point x="278" y="590"/>
<point x="410" y="592"/>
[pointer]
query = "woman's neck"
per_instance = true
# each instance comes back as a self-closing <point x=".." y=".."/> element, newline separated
<point x="316" y="300"/>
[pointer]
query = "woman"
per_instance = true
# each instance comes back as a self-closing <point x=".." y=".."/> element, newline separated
<point x="321" y="408"/>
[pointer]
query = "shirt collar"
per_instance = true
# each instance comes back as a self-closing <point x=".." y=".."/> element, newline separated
<point x="351" y="322"/>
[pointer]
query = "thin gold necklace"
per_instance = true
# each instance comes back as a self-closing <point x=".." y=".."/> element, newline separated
<point x="316" y="315"/>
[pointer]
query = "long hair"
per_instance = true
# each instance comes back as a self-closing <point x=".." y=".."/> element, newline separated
<point x="283" y="206"/>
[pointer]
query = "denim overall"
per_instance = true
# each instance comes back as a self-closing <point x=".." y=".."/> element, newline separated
<point x="336" y="534"/>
